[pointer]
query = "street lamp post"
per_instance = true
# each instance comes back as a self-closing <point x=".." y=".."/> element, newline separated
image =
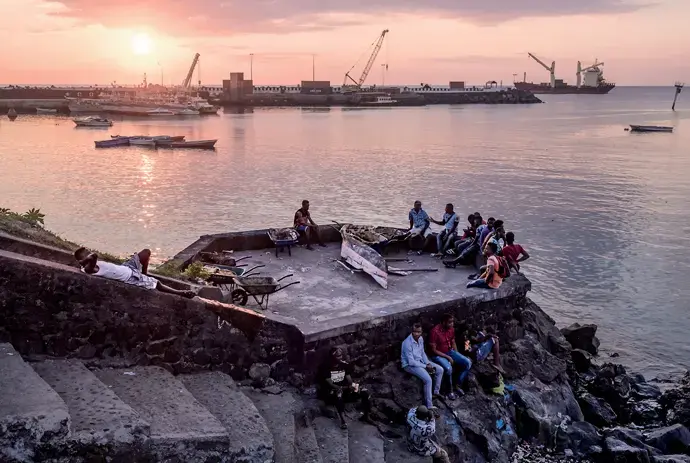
<point x="251" y="67"/>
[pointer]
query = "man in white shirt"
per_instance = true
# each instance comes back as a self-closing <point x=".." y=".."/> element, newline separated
<point x="133" y="271"/>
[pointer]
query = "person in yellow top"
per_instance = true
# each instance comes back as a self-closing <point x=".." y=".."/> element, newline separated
<point x="491" y="278"/>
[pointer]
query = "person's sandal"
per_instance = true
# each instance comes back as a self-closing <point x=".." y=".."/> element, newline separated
<point x="452" y="396"/>
<point x="343" y="425"/>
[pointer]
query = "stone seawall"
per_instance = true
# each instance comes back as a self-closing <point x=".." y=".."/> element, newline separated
<point x="55" y="310"/>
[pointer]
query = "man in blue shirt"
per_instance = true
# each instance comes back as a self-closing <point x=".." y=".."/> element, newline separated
<point x="415" y="362"/>
<point x="420" y="224"/>
<point x="450" y="223"/>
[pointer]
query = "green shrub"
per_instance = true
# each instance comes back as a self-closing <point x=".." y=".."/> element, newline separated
<point x="34" y="217"/>
<point x="196" y="271"/>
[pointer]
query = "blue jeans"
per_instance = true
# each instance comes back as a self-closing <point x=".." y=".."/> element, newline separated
<point x="478" y="283"/>
<point x="484" y="349"/>
<point x="443" y="240"/>
<point x="422" y="374"/>
<point x="459" y="361"/>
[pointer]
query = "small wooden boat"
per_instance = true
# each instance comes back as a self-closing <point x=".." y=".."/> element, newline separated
<point x="201" y="144"/>
<point x="12" y="114"/>
<point x="160" y="112"/>
<point x="46" y="111"/>
<point x="92" y="122"/>
<point x="357" y="252"/>
<point x="187" y="112"/>
<point x="157" y="138"/>
<point x="650" y="128"/>
<point x="112" y="142"/>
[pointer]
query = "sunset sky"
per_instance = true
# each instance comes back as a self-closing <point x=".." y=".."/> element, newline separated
<point x="642" y="42"/>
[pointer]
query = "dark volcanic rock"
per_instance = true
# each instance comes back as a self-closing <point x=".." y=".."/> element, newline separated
<point x="528" y="355"/>
<point x="645" y="390"/>
<point x="541" y="409"/>
<point x="672" y="459"/>
<point x="631" y="437"/>
<point x="613" y="385"/>
<point x="582" y="337"/>
<point x="621" y="452"/>
<point x="676" y="402"/>
<point x="647" y="412"/>
<point x="596" y="410"/>
<point x="582" y="438"/>
<point x="671" y="439"/>
<point x="581" y="359"/>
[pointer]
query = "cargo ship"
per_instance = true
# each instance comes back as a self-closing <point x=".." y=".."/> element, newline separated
<point x="590" y="81"/>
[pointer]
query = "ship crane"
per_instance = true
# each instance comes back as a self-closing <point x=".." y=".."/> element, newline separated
<point x="377" y="47"/>
<point x="551" y="69"/>
<point x="188" y="80"/>
<point x="581" y="70"/>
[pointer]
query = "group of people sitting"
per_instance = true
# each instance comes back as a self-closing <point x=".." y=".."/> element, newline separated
<point x="486" y="237"/>
<point x="445" y="361"/>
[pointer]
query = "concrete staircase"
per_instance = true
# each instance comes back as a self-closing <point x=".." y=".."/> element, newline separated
<point x="59" y="411"/>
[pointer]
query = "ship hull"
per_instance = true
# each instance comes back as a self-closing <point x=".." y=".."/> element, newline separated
<point x="543" y="89"/>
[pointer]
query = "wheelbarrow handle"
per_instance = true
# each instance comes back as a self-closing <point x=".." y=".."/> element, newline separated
<point x="242" y="258"/>
<point x="251" y="271"/>
<point x="283" y="287"/>
<point x="289" y="275"/>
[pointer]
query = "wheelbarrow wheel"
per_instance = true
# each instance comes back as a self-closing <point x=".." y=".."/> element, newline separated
<point x="239" y="296"/>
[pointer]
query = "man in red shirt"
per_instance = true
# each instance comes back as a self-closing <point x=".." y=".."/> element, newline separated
<point x="514" y="253"/>
<point x="445" y="353"/>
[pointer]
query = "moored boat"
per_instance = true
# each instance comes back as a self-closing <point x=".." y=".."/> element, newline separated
<point x="170" y="138"/>
<point x="46" y="111"/>
<point x="203" y="144"/>
<point x="92" y="122"/>
<point x="187" y="112"/>
<point x="122" y="141"/>
<point x="650" y="128"/>
<point x="160" y="112"/>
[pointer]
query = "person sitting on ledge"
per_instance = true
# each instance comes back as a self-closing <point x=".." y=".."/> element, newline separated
<point x="491" y="276"/>
<point x="306" y="226"/>
<point x="422" y="426"/>
<point x="420" y="223"/>
<point x="337" y="388"/>
<point x="415" y="362"/>
<point x="514" y="253"/>
<point x="446" y="237"/>
<point x="497" y="236"/>
<point x="134" y="271"/>
<point x="479" y="345"/>
<point x="445" y="351"/>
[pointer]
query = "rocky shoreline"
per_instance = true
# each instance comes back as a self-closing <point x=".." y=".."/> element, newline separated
<point x="560" y="404"/>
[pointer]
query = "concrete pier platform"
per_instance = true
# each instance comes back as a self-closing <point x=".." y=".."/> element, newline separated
<point x="330" y="298"/>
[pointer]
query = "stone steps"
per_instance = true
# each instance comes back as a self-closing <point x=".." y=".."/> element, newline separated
<point x="365" y="443"/>
<point x="305" y="439"/>
<point x="30" y="411"/>
<point x="333" y="441"/>
<point x="181" y="428"/>
<point x="250" y="439"/>
<point x="278" y="412"/>
<point x="99" y="419"/>
<point x="396" y="452"/>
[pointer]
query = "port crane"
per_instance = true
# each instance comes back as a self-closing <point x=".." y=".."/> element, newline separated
<point x="581" y="70"/>
<point x="377" y="47"/>
<point x="551" y="69"/>
<point x="188" y="80"/>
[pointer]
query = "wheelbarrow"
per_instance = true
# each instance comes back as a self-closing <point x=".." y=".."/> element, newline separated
<point x="221" y="258"/>
<point x="260" y="288"/>
<point x="224" y="276"/>
<point x="283" y="238"/>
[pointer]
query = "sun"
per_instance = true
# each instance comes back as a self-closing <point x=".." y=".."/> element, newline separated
<point x="141" y="44"/>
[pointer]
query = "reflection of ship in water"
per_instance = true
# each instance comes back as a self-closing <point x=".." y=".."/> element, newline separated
<point x="590" y="80"/>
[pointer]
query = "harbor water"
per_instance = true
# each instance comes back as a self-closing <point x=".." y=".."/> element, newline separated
<point x="602" y="211"/>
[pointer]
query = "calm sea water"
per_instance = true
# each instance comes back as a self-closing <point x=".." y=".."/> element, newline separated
<point x="603" y="212"/>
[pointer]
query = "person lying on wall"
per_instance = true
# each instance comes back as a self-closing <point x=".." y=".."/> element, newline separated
<point x="134" y="271"/>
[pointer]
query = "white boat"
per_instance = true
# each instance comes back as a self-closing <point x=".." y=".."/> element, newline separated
<point x="160" y="112"/>
<point x="142" y="141"/>
<point x="46" y="111"/>
<point x="380" y="101"/>
<point x="203" y="106"/>
<point x="358" y="254"/>
<point x="92" y="122"/>
<point x="187" y="112"/>
<point x="650" y="128"/>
